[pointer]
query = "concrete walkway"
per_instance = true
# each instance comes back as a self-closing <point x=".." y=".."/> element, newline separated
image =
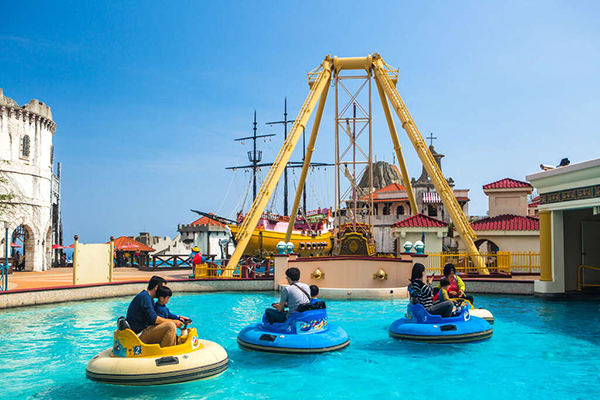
<point x="64" y="277"/>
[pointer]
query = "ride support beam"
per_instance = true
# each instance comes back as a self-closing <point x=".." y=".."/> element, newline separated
<point x="398" y="148"/>
<point x="439" y="181"/>
<point x="317" y="87"/>
<point x="310" y="148"/>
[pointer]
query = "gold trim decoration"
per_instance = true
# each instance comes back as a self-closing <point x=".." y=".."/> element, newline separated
<point x="318" y="274"/>
<point x="581" y="193"/>
<point x="381" y="275"/>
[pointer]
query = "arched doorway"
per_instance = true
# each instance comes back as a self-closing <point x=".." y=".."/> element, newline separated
<point x="23" y="248"/>
<point x="486" y="246"/>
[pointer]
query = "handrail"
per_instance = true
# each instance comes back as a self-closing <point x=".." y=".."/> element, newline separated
<point x="580" y="283"/>
<point x="502" y="261"/>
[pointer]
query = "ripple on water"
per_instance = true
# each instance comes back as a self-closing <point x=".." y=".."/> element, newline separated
<point x="541" y="349"/>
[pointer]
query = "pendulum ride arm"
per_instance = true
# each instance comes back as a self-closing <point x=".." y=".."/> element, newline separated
<point x="317" y="87"/>
<point x="309" y="152"/>
<point x="398" y="149"/>
<point x="441" y="185"/>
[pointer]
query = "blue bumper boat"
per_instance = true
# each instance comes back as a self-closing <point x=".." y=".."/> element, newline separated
<point x="420" y="326"/>
<point x="303" y="333"/>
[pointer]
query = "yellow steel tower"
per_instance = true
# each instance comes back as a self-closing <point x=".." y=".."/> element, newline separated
<point x="319" y="81"/>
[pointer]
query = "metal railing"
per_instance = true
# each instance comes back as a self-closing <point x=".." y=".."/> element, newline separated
<point x="501" y="262"/>
<point x="213" y="270"/>
<point x="580" y="283"/>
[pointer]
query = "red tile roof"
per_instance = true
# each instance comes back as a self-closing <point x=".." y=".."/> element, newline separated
<point x="128" y="244"/>
<point x="203" y="221"/>
<point x="507" y="222"/>
<point x="534" y="202"/>
<point x="421" y="221"/>
<point x="507" y="183"/>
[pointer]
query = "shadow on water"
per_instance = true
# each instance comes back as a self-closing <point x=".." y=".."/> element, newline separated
<point x="579" y="319"/>
<point x="531" y="338"/>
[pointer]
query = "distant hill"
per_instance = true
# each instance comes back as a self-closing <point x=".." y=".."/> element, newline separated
<point x="384" y="174"/>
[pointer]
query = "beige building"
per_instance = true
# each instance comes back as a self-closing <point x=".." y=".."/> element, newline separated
<point x="507" y="196"/>
<point x="532" y="207"/>
<point x="514" y="233"/>
<point x="392" y="205"/>
<point x="429" y="201"/>
<point x="430" y="230"/>
<point x="569" y="212"/>
<point x="509" y="227"/>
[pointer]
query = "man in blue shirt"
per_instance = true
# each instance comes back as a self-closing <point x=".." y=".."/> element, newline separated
<point x="144" y="321"/>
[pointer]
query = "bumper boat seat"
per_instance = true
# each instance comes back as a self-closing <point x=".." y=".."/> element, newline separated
<point x="133" y="362"/>
<point x="303" y="332"/>
<point x="420" y="326"/>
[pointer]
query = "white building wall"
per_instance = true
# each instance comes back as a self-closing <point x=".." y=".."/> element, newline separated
<point x="433" y="237"/>
<point x="29" y="179"/>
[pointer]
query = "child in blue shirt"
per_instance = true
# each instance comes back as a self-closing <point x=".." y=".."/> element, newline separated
<point x="163" y="295"/>
<point x="314" y="292"/>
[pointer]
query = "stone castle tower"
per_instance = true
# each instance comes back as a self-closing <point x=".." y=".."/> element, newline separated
<point x="28" y="174"/>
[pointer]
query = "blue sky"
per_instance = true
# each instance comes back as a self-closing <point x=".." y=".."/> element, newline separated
<point x="148" y="96"/>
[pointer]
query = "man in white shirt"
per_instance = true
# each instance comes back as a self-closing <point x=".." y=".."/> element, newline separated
<point x="292" y="296"/>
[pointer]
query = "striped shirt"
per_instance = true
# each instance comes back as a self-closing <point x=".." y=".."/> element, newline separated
<point x="422" y="292"/>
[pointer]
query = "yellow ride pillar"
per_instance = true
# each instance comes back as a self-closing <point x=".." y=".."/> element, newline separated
<point x="308" y="157"/>
<point x="398" y="148"/>
<point x="268" y="186"/>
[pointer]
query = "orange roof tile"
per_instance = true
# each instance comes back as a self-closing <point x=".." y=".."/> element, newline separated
<point x="203" y="221"/>
<point x="128" y="244"/>
<point x="394" y="187"/>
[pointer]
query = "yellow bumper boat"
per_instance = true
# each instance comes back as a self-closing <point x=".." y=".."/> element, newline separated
<point x="132" y="362"/>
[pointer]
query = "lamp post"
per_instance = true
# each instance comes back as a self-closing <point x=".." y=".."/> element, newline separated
<point x="4" y="270"/>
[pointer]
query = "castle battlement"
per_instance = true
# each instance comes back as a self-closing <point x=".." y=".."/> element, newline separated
<point x="34" y="111"/>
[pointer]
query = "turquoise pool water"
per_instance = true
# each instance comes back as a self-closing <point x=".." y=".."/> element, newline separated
<point x="540" y="349"/>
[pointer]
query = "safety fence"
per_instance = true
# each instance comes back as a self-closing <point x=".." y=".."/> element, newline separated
<point x="247" y="270"/>
<point x="171" y="261"/>
<point x="593" y="277"/>
<point x="502" y="262"/>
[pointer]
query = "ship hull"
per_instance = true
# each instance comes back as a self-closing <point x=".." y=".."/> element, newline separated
<point x="264" y="242"/>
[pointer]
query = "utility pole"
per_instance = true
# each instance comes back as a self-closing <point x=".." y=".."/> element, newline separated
<point x="254" y="156"/>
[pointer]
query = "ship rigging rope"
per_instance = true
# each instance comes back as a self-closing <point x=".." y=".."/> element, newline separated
<point x="228" y="188"/>
<point x="273" y="205"/>
<point x="241" y="200"/>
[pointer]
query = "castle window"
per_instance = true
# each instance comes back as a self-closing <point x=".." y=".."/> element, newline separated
<point x="386" y="209"/>
<point x="25" y="146"/>
<point x="400" y="210"/>
<point x="432" y="211"/>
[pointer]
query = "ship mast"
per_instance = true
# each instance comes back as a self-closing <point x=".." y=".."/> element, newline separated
<point x="254" y="156"/>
